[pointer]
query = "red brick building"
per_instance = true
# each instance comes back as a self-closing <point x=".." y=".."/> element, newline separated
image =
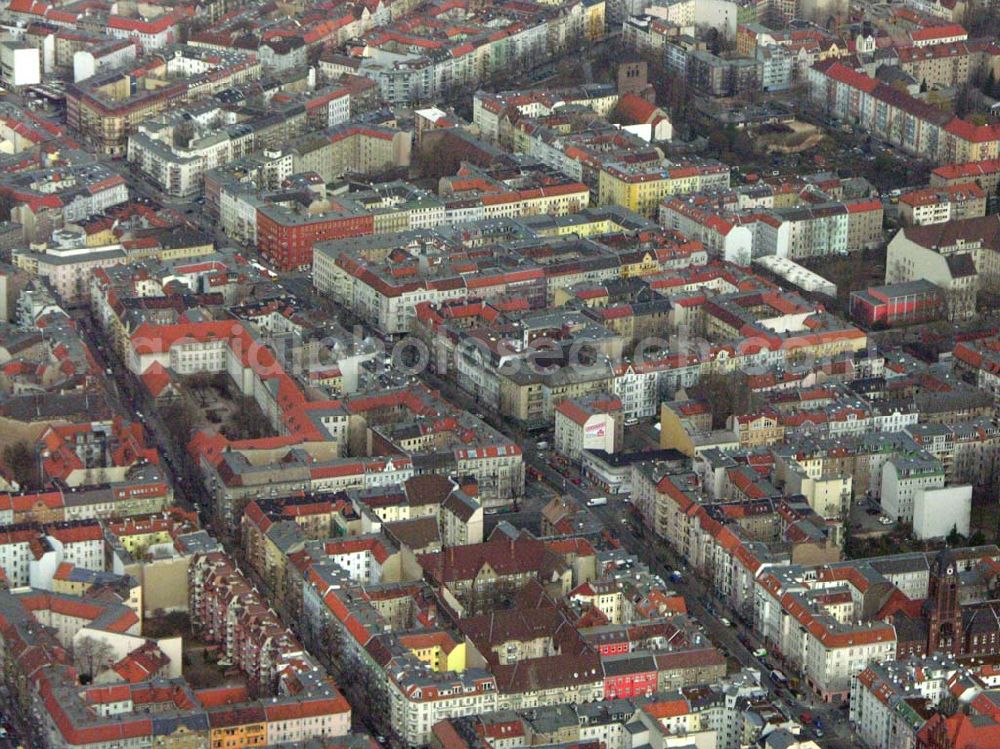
<point x="286" y="238"/>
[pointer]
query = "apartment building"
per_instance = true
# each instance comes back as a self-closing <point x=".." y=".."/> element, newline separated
<point x="935" y="205"/>
<point x="106" y="109"/>
<point x="985" y="174"/>
<point x="981" y="359"/>
<point x="903" y="477"/>
<point x="180" y="170"/>
<point x="898" y="118"/>
<point x="641" y="189"/>
<point x="887" y="699"/>
<point x="68" y="271"/>
<point x="943" y="64"/>
<point x="593" y="422"/>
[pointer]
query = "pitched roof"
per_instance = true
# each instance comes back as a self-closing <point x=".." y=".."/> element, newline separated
<point x="985" y="229"/>
<point x="505" y="556"/>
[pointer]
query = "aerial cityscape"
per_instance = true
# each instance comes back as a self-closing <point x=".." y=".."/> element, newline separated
<point x="499" y="374"/>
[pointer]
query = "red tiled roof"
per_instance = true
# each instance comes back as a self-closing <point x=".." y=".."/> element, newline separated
<point x="667" y="709"/>
<point x="938" y="32"/>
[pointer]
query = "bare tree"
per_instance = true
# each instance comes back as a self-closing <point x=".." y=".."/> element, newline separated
<point x="330" y="646"/>
<point x="181" y="417"/>
<point x="483" y="599"/>
<point x="247" y="421"/>
<point x="91" y="656"/>
<point x="22" y="464"/>
<point x="726" y="394"/>
<point x="367" y="692"/>
<point x="184" y="133"/>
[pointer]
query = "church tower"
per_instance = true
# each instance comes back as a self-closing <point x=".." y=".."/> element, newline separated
<point x="944" y="628"/>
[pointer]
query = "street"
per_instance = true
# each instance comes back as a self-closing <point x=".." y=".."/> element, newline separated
<point x="837" y="733"/>
<point x="130" y="397"/>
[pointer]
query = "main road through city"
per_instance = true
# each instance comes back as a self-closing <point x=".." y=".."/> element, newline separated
<point x="122" y="390"/>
